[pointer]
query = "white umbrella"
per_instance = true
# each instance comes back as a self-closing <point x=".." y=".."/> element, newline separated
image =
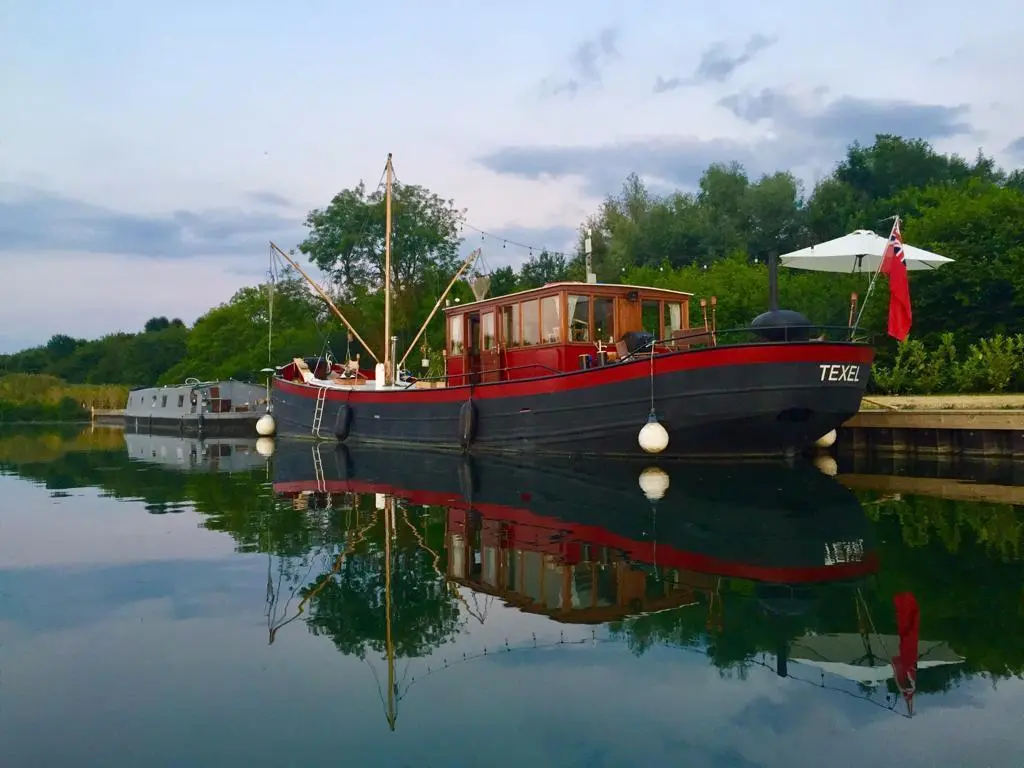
<point x="859" y="251"/>
<point x="865" y="674"/>
<point x="865" y="659"/>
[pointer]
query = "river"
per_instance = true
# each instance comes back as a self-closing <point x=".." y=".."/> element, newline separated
<point x="169" y="603"/>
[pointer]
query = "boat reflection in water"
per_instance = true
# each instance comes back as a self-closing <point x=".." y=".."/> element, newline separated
<point x="608" y="541"/>
<point x="575" y="540"/>
<point x="222" y="454"/>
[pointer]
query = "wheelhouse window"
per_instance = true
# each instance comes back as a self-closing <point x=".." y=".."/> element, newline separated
<point x="579" y="318"/>
<point x="531" y="322"/>
<point x="455" y="343"/>
<point x="163" y="401"/>
<point x="604" y="319"/>
<point x="487" y="331"/>
<point x="181" y="401"/>
<point x="550" y="319"/>
<point x="673" y="317"/>
<point x="510" y="326"/>
<point x="650" y="316"/>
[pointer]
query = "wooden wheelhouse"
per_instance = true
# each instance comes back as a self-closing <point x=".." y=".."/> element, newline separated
<point x="557" y="328"/>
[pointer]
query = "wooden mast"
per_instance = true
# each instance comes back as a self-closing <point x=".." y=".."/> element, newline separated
<point x="389" y="526"/>
<point x="388" y="362"/>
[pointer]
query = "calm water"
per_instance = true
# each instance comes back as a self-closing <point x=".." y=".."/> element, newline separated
<point x="170" y="604"/>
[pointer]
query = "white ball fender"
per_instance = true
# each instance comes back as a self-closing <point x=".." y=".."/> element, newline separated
<point x="653" y="437"/>
<point x="654" y="482"/>
<point x="266" y="426"/>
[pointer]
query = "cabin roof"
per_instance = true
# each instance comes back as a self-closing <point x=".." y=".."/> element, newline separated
<point x="568" y="284"/>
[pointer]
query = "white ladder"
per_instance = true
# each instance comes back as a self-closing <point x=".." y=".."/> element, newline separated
<point x="318" y="468"/>
<point x="318" y="411"/>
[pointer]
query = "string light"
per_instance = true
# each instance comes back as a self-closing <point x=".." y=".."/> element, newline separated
<point x="484" y="234"/>
<point x="505" y="242"/>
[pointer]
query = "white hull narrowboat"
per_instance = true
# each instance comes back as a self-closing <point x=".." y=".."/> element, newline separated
<point x="218" y="454"/>
<point x="201" y="408"/>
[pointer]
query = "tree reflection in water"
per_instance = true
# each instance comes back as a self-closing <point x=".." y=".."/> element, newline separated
<point x="330" y="556"/>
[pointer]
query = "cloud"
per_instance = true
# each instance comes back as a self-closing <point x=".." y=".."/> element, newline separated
<point x="266" y="197"/>
<point x="88" y="597"/>
<point x="1016" y="148"/>
<point x="716" y="64"/>
<point x="849" y="118"/>
<point x="603" y="168"/>
<point x="804" y="140"/>
<point x="587" y="64"/>
<point x="33" y="219"/>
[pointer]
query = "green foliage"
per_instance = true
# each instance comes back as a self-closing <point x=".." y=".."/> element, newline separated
<point x="741" y="289"/>
<point x="133" y="359"/>
<point x="540" y="269"/>
<point x="991" y="365"/>
<point x="28" y="397"/>
<point x="346" y="240"/>
<point x="230" y="341"/>
<point x="981" y="226"/>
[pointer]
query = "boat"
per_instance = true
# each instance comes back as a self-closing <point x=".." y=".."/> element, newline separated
<point x="203" y="408"/>
<point x="219" y="454"/>
<point x="778" y="525"/>
<point x="588" y="368"/>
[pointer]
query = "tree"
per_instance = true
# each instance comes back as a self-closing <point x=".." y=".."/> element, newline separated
<point x="230" y="341"/>
<point x="774" y="214"/>
<point x="981" y="227"/>
<point x="504" y="281"/>
<point x="543" y="268"/>
<point x="61" y="346"/>
<point x="723" y="196"/>
<point x="346" y="240"/>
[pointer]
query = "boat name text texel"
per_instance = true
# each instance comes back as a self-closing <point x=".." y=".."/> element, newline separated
<point x="838" y="372"/>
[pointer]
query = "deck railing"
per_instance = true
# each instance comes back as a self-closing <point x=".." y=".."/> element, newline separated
<point x="766" y="334"/>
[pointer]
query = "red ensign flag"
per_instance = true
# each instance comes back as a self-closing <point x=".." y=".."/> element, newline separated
<point x="904" y="665"/>
<point x="895" y="266"/>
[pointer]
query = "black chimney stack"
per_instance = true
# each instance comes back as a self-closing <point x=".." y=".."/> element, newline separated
<point x="782" y="659"/>
<point x="773" y="281"/>
<point x="779" y="324"/>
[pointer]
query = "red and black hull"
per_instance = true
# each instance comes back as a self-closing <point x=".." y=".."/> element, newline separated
<point x="753" y="399"/>
<point x="767" y="521"/>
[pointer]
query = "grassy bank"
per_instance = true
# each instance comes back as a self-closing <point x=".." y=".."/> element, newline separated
<point x="27" y="398"/>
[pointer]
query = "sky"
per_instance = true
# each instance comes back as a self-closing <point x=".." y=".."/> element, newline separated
<point x="149" y="151"/>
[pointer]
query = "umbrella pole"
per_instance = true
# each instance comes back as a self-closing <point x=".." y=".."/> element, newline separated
<point x="864" y="304"/>
<point x="874" y="277"/>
